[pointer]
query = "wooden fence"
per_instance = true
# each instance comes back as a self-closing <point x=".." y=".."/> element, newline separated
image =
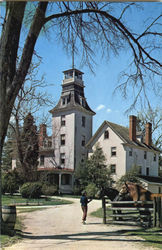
<point x="147" y="214"/>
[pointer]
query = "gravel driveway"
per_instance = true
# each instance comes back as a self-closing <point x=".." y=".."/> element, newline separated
<point x="60" y="228"/>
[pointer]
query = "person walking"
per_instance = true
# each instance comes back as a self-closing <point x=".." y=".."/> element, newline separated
<point x="84" y="205"/>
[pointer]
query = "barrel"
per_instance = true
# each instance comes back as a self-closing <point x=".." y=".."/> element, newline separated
<point x="9" y="219"/>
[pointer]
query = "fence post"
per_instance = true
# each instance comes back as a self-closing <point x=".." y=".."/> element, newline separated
<point x="104" y="210"/>
<point x="159" y="212"/>
<point x="154" y="214"/>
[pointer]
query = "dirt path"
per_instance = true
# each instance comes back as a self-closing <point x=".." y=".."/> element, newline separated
<point x="60" y="228"/>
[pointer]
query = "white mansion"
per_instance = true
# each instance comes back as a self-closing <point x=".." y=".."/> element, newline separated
<point x="72" y="141"/>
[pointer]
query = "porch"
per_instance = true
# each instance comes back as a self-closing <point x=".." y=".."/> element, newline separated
<point x="64" y="179"/>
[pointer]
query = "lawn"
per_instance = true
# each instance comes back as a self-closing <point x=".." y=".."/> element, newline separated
<point x="18" y="200"/>
<point x="152" y="236"/>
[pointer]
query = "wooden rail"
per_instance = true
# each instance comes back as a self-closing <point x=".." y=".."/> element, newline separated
<point x="144" y="213"/>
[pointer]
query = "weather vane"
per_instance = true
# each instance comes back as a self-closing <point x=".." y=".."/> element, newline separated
<point x="72" y="52"/>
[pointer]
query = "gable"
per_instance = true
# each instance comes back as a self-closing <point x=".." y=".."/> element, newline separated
<point x="122" y="133"/>
<point x="114" y="138"/>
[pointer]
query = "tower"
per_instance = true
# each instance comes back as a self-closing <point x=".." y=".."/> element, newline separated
<point x="71" y="122"/>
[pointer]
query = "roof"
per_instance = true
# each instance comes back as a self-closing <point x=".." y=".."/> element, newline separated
<point x="123" y="133"/>
<point x="73" y="103"/>
<point x="74" y="70"/>
<point x="55" y="169"/>
<point x="152" y="179"/>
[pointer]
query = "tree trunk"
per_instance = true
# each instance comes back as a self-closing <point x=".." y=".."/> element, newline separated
<point x="11" y="79"/>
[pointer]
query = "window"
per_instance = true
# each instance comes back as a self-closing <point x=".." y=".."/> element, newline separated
<point x="65" y="179"/>
<point x="42" y="160"/>
<point x="63" y="101"/>
<point x="82" y="101"/>
<point x="62" y="158"/>
<point x="139" y="169"/>
<point x="83" y="140"/>
<point x="83" y="158"/>
<point x="113" y="169"/>
<point x="63" y="120"/>
<point x="130" y="152"/>
<point x="147" y="171"/>
<point x="68" y="74"/>
<point x="63" y="139"/>
<point x="159" y="190"/>
<point x="83" y="121"/>
<point x="49" y="144"/>
<point x="113" y="151"/>
<point x="45" y="143"/>
<point x="145" y="155"/>
<point x="106" y="134"/>
<point x="154" y="157"/>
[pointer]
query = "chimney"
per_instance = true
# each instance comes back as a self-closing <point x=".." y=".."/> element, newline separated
<point x="132" y="128"/>
<point x="42" y="134"/>
<point x="148" y="134"/>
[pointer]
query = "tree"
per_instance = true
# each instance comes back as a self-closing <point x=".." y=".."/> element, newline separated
<point x="94" y="171"/>
<point x="11" y="182"/>
<point x="80" y="20"/>
<point x="28" y="150"/>
<point x="7" y="151"/>
<point x="131" y="175"/>
<point x="85" y="21"/>
<point x="29" y="100"/>
<point x="154" y="116"/>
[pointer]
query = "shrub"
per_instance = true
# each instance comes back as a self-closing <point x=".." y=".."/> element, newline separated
<point x="91" y="190"/>
<point x="9" y="182"/>
<point x="31" y="190"/>
<point x="77" y="189"/>
<point x="131" y="176"/>
<point x="49" y="189"/>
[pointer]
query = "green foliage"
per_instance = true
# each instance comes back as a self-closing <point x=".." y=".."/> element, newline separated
<point x="8" y="150"/>
<point x="94" y="170"/>
<point x="10" y="182"/>
<point x="29" y="149"/>
<point x="81" y="176"/>
<point x="49" y="189"/>
<point x="91" y="190"/>
<point x="31" y="190"/>
<point x="98" y="172"/>
<point x="77" y="189"/>
<point x="131" y="175"/>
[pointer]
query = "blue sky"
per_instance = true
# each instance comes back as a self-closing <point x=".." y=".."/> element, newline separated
<point x="99" y="87"/>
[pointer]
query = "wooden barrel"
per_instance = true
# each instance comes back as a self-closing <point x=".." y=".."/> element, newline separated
<point x="9" y="219"/>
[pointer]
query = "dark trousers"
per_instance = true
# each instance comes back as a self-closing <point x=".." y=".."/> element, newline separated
<point x="84" y="209"/>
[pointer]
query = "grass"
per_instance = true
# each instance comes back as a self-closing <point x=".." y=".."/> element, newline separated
<point x="99" y="213"/>
<point x="152" y="236"/>
<point x="7" y="240"/>
<point x="17" y="200"/>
